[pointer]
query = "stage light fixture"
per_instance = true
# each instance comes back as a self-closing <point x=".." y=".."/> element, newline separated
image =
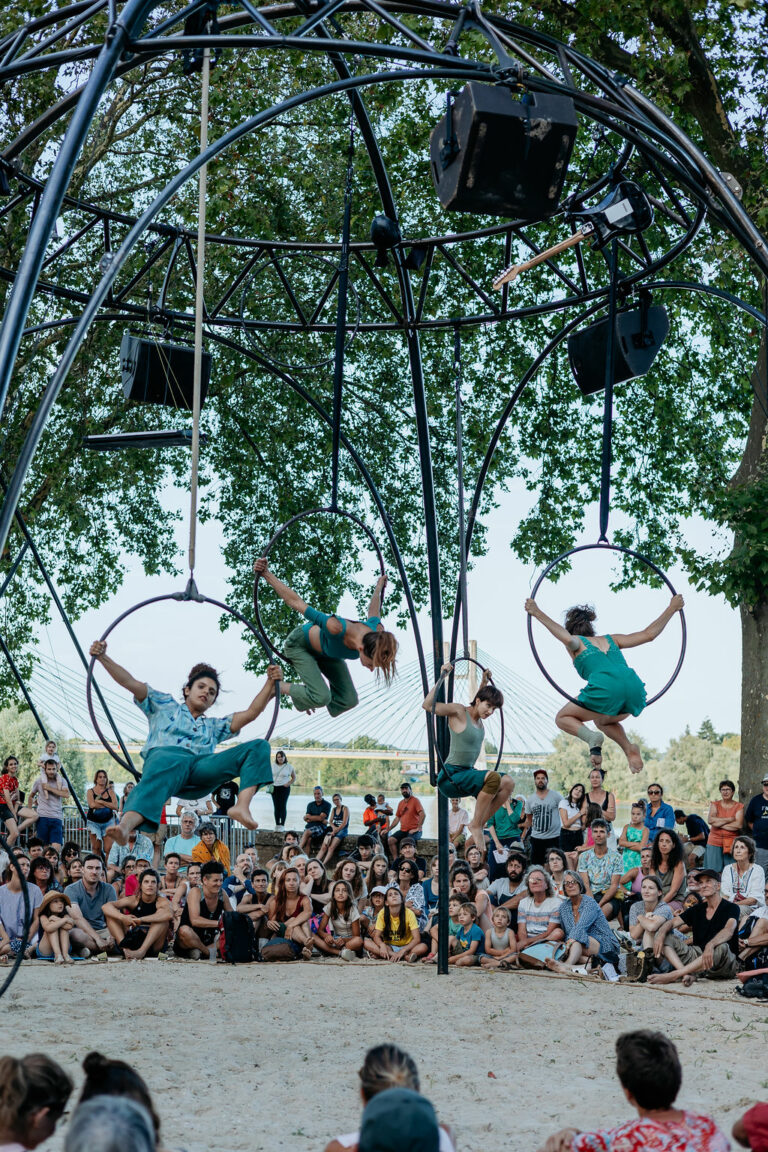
<point x="640" y="333"/>
<point x="385" y="235"/>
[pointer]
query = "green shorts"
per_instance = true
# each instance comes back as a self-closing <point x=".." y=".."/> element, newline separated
<point x="456" y="781"/>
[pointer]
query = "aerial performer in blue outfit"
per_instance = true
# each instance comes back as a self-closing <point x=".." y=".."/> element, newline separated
<point x="320" y="649"/>
<point x="613" y="691"/>
<point x="179" y="755"/>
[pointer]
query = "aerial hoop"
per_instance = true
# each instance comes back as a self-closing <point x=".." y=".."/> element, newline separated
<point x="605" y="546"/>
<point x="190" y="593"/>
<point x="329" y="511"/>
<point x="27" y="914"/>
<point x="433" y="714"/>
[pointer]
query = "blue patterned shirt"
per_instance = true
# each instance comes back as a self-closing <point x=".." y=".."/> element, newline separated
<point x="172" y="725"/>
<point x="591" y="922"/>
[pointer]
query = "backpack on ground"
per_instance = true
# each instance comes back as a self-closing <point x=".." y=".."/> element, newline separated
<point x="756" y="987"/>
<point x="237" y="940"/>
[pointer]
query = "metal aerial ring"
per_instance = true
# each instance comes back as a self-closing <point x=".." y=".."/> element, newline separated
<point x="293" y="520"/>
<point x="605" y="546"/>
<point x="190" y="593"/>
<point x="433" y="714"/>
<point x="27" y="914"/>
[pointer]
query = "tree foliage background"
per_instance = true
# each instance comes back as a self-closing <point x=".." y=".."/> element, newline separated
<point x="688" y="439"/>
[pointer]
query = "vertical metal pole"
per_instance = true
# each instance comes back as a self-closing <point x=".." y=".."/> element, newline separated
<point x="610" y="360"/>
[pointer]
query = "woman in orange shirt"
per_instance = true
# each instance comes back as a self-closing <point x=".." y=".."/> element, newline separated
<point x="211" y="848"/>
<point x="726" y="820"/>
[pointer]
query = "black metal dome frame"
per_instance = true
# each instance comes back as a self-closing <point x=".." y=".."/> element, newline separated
<point x="519" y="57"/>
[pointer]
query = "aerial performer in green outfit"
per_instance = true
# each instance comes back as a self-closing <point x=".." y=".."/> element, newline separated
<point x="614" y="691"/>
<point x="458" y="776"/>
<point x="320" y="649"/>
<point x="179" y="755"/>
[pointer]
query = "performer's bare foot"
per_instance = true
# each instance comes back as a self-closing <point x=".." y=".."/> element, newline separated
<point x="242" y="813"/>
<point x="558" y="966"/>
<point x="114" y="834"/>
<point x="635" y="758"/>
<point x="476" y="832"/>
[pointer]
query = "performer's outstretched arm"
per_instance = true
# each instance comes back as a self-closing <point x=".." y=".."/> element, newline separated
<point x="259" y="702"/>
<point x="120" y="675"/>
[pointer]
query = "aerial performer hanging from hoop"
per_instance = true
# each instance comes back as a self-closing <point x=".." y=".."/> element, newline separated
<point x="614" y="691"/>
<point x="319" y="650"/>
<point x="458" y="775"/>
<point x="179" y="755"/>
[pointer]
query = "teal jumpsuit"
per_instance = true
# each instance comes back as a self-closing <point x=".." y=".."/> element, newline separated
<point x="613" y="688"/>
<point x="314" y="668"/>
<point x="459" y="777"/>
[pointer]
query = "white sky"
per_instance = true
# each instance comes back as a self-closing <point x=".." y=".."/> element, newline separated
<point x="160" y="645"/>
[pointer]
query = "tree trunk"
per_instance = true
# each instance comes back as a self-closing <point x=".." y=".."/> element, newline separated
<point x="754" y="617"/>
<point x="754" y="700"/>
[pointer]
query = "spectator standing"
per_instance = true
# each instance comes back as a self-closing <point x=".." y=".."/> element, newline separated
<point x="12" y="907"/>
<point x="10" y="811"/>
<point x="458" y="822"/>
<point x="33" y="1095"/>
<point x="572" y="811"/>
<point x="185" y="842"/>
<point x="713" y="924"/>
<point x="600" y="869"/>
<point x="102" y="810"/>
<point x="202" y="808"/>
<point x="88" y="897"/>
<point x="51" y="790"/>
<point x="696" y="833"/>
<point x="504" y="830"/>
<point x="542" y="817"/>
<point x="410" y="815"/>
<point x="225" y="796"/>
<point x="726" y="820"/>
<point x="127" y="789"/>
<point x="384" y="813"/>
<point x="756" y="820"/>
<point x="605" y="800"/>
<point x="743" y="882"/>
<point x="137" y="845"/>
<point x="211" y="848"/>
<point x="316" y="820"/>
<point x="283" y="778"/>
<point x="634" y="838"/>
<point x="658" y="814"/>
<point x="650" y="1075"/>
<point x="371" y="818"/>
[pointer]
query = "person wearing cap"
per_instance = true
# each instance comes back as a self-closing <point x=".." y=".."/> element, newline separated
<point x="756" y="820"/>
<point x="542" y="817"/>
<point x="399" y="1120"/>
<point x="458" y="776"/>
<point x="713" y="925"/>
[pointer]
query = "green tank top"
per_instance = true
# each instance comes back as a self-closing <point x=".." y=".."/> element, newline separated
<point x="465" y="746"/>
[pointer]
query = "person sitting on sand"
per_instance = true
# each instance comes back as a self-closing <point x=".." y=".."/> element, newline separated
<point x="179" y="755"/>
<point x="204" y="908"/>
<point x="55" y="927"/>
<point x="455" y="901"/>
<point x="753" y="950"/>
<point x="713" y="925"/>
<point x="500" y="944"/>
<point x="751" y="1129"/>
<point x="468" y="944"/>
<point x="105" y="1077"/>
<point x="339" y="932"/>
<point x="396" y="935"/>
<point x="613" y="691"/>
<point x="537" y="916"/>
<point x="139" y="924"/>
<point x="289" y="912"/>
<point x="585" y="928"/>
<point x="386" y="1067"/>
<point x="650" y="1075"/>
<point x="211" y="848"/>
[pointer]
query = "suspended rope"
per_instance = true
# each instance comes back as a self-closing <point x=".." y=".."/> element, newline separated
<point x="465" y="657"/>
<point x="333" y="508"/>
<point x="190" y="593"/>
<point x="606" y="460"/>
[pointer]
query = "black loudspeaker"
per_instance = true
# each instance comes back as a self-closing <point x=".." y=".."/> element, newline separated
<point x="637" y="345"/>
<point x="155" y="373"/>
<point x="500" y="156"/>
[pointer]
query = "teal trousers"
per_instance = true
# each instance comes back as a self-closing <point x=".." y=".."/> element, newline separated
<point x="312" y="670"/>
<point x="170" y="771"/>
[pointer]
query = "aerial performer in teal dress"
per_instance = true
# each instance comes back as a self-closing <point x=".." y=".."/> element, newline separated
<point x="613" y="691"/>
<point x="321" y="649"/>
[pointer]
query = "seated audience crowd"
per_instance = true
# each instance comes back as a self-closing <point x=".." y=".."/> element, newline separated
<point x="645" y="902"/>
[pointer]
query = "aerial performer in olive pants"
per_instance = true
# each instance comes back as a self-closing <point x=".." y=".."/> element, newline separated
<point x="613" y="691"/>
<point x="458" y="776"/>
<point x="320" y="649"/>
<point x="179" y="755"/>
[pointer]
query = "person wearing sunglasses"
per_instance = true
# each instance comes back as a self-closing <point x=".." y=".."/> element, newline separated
<point x="658" y="815"/>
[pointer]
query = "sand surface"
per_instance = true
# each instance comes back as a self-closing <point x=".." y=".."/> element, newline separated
<point x="265" y="1056"/>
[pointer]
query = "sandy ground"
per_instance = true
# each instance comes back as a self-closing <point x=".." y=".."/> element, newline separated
<point x="265" y="1056"/>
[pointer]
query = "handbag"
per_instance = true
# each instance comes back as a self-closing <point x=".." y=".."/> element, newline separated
<point x="100" y="815"/>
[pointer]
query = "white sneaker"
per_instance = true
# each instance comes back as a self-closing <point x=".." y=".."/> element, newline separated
<point x="348" y="954"/>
